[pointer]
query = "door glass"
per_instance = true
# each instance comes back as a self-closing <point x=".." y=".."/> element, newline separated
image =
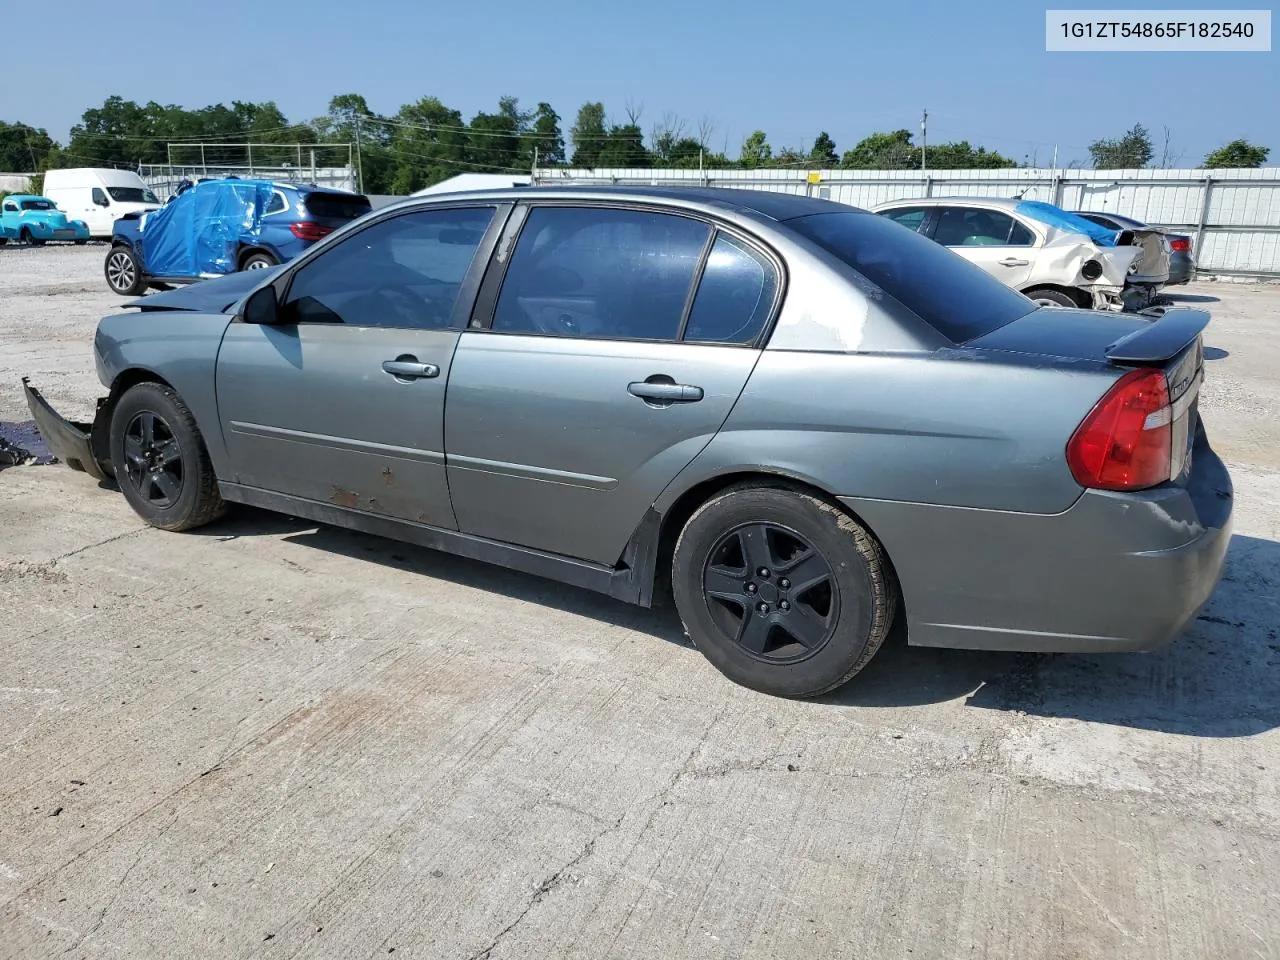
<point x="598" y="272"/>
<point x="99" y="196"/>
<point x="403" y="272"/>
<point x="973" y="227"/>
<point x="1021" y="236"/>
<point x="735" y="295"/>
<point x="909" y="217"/>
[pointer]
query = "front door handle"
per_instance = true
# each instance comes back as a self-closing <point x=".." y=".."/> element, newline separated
<point x="1013" y="262"/>
<point x="665" y="392"/>
<point x="408" y="368"/>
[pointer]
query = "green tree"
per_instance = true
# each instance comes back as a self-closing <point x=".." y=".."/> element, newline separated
<point x="756" y="151"/>
<point x="961" y="156"/>
<point x="493" y="139"/>
<point x="23" y="148"/>
<point x="883" y="151"/>
<point x="589" y="135"/>
<point x="429" y="144"/>
<point x="1132" y="150"/>
<point x="1238" y="153"/>
<point x="544" y="135"/>
<point x="349" y="118"/>
<point x="624" y="148"/>
<point x="823" y="152"/>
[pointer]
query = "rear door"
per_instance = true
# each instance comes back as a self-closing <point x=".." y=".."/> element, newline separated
<point x="611" y="345"/>
<point x="1004" y="247"/>
<point x="344" y="402"/>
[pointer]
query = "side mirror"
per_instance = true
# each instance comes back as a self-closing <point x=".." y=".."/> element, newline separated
<point x="262" y="307"/>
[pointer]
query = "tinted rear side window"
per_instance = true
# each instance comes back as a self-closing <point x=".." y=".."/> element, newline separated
<point x="956" y="298"/>
<point x="334" y="206"/>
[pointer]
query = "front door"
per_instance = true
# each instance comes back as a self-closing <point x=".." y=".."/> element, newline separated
<point x="344" y="402"/>
<point x="599" y="374"/>
<point x="990" y="239"/>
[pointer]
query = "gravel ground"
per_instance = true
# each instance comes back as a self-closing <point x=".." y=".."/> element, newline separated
<point x="272" y="739"/>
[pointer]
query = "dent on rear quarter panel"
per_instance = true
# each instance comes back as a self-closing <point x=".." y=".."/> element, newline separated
<point x="182" y="349"/>
<point x="923" y="428"/>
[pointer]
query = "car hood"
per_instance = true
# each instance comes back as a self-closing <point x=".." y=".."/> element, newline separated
<point x="219" y="295"/>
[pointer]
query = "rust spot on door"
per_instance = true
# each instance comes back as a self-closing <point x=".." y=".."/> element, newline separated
<point x="344" y="498"/>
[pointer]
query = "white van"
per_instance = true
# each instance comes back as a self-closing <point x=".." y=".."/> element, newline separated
<point x="98" y="196"/>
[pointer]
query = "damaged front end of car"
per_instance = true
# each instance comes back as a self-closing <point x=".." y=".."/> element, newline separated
<point x="81" y="446"/>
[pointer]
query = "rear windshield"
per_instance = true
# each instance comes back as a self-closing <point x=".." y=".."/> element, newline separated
<point x="943" y="289"/>
<point x="131" y="195"/>
<point x="335" y="206"/>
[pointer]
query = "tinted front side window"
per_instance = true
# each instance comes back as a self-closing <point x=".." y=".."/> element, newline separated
<point x="735" y="295"/>
<point x="403" y="272"/>
<point x="909" y="217"/>
<point x="959" y="300"/>
<point x="599" y="272"/>
<point x="131" y="195"/>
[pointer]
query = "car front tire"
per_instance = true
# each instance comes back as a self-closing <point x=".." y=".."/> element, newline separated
<point x="782" y="591"/>
<point x="123" y="271"/>
<point x="160" y="460"/>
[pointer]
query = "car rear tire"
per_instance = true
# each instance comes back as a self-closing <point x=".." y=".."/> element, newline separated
<point x="258" y="261"/>
<point x="782" y="591"/>
<point x="160" y="460"/>
<point x="124" y="271"/>
<point x="1052" y="298"/>
<point x="81" y="243"/>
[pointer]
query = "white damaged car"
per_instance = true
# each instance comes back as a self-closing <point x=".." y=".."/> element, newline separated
<point x="1054" y="257"/>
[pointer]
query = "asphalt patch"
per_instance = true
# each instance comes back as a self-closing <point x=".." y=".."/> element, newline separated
<point x="21" y="443"/>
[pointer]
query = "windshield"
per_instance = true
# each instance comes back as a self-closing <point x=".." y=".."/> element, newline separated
<point x="132" y="195"/>
<point x="38" y="205"/>
<point x="943" y="289"/>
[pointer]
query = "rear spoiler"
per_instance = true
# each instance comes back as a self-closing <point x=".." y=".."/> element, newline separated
<point x="1164" y="339"/>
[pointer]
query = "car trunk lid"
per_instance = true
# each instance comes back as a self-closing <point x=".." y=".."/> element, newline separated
<point x="1120" y="345"/>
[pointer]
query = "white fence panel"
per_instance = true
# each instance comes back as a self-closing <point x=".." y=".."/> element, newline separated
<point x="1232" y="215"/>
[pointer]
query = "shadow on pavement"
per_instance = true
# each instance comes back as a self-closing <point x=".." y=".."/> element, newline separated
<point x="1221" y="678"/>
<point x="1190" y="297"/>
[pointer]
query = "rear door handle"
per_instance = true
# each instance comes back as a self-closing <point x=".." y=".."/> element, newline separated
<point x="1013" y="262"/>
<point x="403" y="369"/>
<point x="665" y="392"/>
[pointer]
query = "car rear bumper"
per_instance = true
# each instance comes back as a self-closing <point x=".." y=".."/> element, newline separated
<point x="81" y="446"/>
<point x="1114" y="572"/>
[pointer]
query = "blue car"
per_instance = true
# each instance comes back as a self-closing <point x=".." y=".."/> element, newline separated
<point x="37" y="220"/>
<point x="217" y="227"/>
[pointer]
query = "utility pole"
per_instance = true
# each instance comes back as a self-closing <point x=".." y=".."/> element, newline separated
<point x="533" y="174"/>
<point x="359" y="163"/>
<point x="924" y="140"/>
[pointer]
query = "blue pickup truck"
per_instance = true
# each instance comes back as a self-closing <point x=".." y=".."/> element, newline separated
<point x="223" y="226"/>
<point x="37" y="220"/>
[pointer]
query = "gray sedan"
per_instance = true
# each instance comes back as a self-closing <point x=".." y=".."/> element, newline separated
<point x="806" y="419"/>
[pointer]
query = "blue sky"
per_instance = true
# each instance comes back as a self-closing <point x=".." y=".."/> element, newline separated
<point x="791" y="69"/>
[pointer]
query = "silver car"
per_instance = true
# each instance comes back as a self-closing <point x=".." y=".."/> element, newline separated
<point x="806" y="420"/>
<point x="1042" y="250"/>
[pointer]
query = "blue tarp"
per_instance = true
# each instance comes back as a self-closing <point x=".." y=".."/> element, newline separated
<point x="202" y="229"/>
<point x="1057" y="217"/>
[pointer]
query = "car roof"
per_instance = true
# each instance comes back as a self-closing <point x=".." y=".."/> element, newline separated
<point x="1118" y="217"/>
<point x="1005" y="203"/>
<point x="25" y="196"/>
<point x="762" y="203"/>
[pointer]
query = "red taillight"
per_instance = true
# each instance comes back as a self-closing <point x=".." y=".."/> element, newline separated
<point x="309" y="230"/>
<point x="1126" y="441"/>
<point x="1179" y="244"/>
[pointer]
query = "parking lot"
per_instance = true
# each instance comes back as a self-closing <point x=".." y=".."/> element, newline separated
<point x="266" y="738"/>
